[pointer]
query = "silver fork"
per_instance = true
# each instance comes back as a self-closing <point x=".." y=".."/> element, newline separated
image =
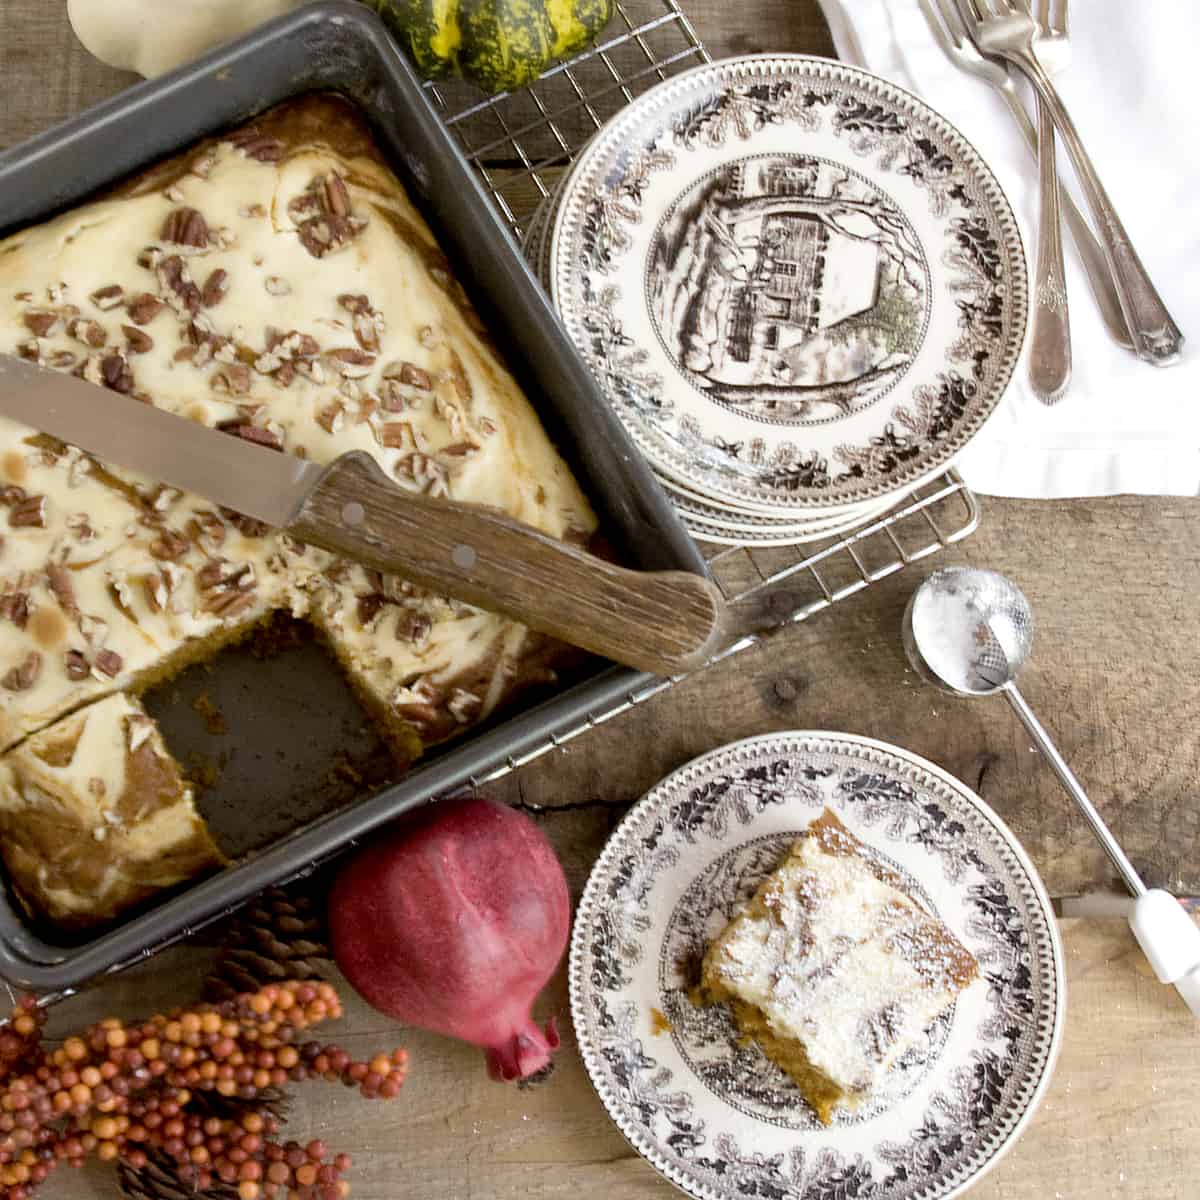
<point x="1050" y="335"/>
<point x="951" y="35"/>
<point x="1000" y="29"/>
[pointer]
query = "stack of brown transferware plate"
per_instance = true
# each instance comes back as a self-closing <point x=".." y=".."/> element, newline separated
<point x="802" y="289"/>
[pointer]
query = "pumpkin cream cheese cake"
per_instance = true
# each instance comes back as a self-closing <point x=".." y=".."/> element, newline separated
<point x="277" y="284"/>
<point x="834" y="969"/>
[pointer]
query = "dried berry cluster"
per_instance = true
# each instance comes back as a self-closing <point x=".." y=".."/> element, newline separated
<point x="138" y="1091"/>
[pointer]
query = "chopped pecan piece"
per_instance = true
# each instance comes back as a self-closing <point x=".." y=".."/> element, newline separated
<point x="30" y="512"/>
<point x="143" y="308"/>
<point x="182" y="293"/>
<point x="258" y="434"/>
<point x="249" y="527"/>
<point x="410" y="374"/>
<point x="14" y="607"/>
<point x="137" y="341"/>
<point x="76" y="664"/>
<point x="392" y="396"/>
<point x="156" y="591"/>
<point x="116" y="373"/>
<point x="369" y="607"/>
<point x="62" y="589"/>
<point x="108" y="664"/>
<point x="90" y="333"/>
<point x="42" y="322"/>
<point x="258" y="146"/>
<point x="80" y="525"/>
<point x="228" y="604"/>
<point x="337" y="197"/>
<point x="150" y="257"/>
<point x="215" y="287"/>
<point x="169" y="546"/>
<point x="413" y="627"/>
<point x="186" y="227"/>
<point x="31" y="350"/>
<point x="11" y="494"/>
<point x="324" y="216"/>
<point x="350" y="362"/>
<point x="62" y="360"/>
<point x="23" y="676"/>
<point x="331" y="418"/>
<point x="109" y="297"/>
<point x="354" y="304"/>
<point x="207" y="529"/>
<point x="396" y="435"/>
<point x="233" y="378"/>
<point x="367" y="327"/>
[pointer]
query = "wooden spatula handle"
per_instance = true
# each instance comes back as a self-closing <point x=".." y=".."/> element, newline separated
<point x="660" y="622"/>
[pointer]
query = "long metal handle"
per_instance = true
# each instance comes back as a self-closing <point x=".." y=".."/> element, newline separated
<point x="1067" y="778"/>
<point x="1091" y="255"/>
<point x="1156" y="337"/>
<point x="1050" y="337"/>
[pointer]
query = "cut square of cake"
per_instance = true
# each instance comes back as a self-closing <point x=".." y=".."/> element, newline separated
<point x="96" y="816"/>
<point x="833" y="969"/>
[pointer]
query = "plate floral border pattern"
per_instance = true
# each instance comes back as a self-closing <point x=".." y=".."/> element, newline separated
<point x="981" y="1103"/>
<point x="881" y="125"/>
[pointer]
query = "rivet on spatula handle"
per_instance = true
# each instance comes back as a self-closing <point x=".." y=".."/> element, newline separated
<point x="660" y="622"/>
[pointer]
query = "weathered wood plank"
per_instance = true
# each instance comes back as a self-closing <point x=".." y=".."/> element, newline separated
<point x="1118" y="1120"/>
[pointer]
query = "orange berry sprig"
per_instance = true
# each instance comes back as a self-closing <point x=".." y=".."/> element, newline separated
<point x="121" y="1090"/>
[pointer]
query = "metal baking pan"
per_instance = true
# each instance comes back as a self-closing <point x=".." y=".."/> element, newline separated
<point x="340" y="46"/>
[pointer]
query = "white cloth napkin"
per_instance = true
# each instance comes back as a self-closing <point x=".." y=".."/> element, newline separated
<point x="1123" y="426"/>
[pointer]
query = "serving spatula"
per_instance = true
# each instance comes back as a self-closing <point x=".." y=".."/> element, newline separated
<point x="660" y="622"/>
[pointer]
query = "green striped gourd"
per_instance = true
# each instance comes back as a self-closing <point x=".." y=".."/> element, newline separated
<point x="497" y="44"/>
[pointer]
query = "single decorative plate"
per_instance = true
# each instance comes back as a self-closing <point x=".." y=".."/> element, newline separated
<point x="716" y="1117"/>
<point x="799" y="285"/>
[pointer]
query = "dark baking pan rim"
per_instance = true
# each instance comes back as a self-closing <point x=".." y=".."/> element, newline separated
<point x="339" y="45"/>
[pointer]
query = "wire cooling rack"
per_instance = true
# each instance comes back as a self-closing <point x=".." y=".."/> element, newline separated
<point x="521" y="143"/>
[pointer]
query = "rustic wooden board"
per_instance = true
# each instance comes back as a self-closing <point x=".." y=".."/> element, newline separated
<point x="1116" y="661"/>
<point x="1118" y="1121"/>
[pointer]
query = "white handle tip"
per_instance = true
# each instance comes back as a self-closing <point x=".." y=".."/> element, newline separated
<point x="1167" y="935"/>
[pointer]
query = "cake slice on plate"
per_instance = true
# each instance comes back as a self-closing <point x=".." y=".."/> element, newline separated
<point x="834" y="969"/>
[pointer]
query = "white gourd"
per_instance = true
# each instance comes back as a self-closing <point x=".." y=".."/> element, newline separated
<point x="153" y="36"/>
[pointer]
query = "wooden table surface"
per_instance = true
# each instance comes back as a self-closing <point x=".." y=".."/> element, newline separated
<point x="1116" y="675"/>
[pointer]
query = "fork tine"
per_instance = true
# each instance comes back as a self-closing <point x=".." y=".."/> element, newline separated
<point x="951" y="23"/>
<point x="970" y="13"/>
<point x="1062" y="18"/>
<point x="1042" y="16"/>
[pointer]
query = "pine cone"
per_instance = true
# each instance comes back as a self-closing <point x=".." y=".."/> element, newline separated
<point x="269" y="1101"/>
<point x="157" y="1180"/>
<point x="280" y="935"/>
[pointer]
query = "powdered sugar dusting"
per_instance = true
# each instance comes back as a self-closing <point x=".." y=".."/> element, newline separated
<point x="842" y="961"/>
